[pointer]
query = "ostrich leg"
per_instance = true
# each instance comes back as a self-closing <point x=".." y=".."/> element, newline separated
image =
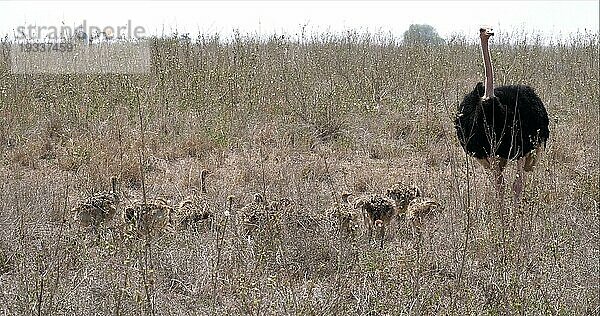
<point x="497" y="165"/>
<point x="380" y="231"/>
<point x="499" y="181"/>
<point x="519" y="182"/>
<point x="499" y="184"/>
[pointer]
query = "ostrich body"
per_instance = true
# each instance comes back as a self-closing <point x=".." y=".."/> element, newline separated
<point x="402" y="196"/>
<point x="418" y="210"/>
<point x="411" y="205"/>
<point x="150" y="217"/>
<point x="98" y="208"/>
<point x="194" y="209"/>
<point x="263" y="218"/>
<point x="496" y="125"/>
<point x="378" y="212"/>
<point x="254" y="214"/>
<point x="347" y="217"/>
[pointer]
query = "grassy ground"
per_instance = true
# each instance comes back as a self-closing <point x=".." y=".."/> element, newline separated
<point x="302" y="120"/>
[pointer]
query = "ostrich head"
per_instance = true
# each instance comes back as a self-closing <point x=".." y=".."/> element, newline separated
<point x="130" y="214"/>
<point x="230" y="200"/>
<point x="285" y="202"/>
<point x="485" y="33"/>
<point x="345" y="196"/>
<point x="162" y="201"/>
<point x="359" y="203"/>
<point x="274" y="205"/>
<point x="258" y="198"/>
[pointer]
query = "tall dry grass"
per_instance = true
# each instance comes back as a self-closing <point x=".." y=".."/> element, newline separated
<point x="303" y="120"/>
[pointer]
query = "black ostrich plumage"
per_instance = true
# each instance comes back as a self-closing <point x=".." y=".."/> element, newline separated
<point x="509" y="125"/>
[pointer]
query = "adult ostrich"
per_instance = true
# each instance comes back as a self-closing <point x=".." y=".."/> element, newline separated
<point x="496" y="125"/>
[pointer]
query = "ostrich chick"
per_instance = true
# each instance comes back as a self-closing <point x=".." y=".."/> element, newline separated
<point x="347" y="216"/>
<point x="402" y="196"/>
<point x="192" y="210"/>
<point x="150" y="217"/>
<point x="254" y="214"/>
<point x="378" y="212"/>
<point x="98" y="208"/>
<point x="418" y="210"/>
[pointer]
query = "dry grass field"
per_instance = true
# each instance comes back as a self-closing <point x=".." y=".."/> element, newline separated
<point x="300" y="120"/>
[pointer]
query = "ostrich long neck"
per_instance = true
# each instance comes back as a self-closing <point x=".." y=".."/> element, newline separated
<point x="489" y="73"/>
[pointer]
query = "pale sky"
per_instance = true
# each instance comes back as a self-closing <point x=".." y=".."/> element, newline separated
<point x="266" y="17"/>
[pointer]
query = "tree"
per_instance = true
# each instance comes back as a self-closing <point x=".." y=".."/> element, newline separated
<point x="422" y="34"/>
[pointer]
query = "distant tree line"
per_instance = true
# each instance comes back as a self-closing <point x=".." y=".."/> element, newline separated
<point x="422" y="34"/>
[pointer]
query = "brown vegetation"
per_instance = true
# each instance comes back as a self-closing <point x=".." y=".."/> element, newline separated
<point x="296" y="120"/>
